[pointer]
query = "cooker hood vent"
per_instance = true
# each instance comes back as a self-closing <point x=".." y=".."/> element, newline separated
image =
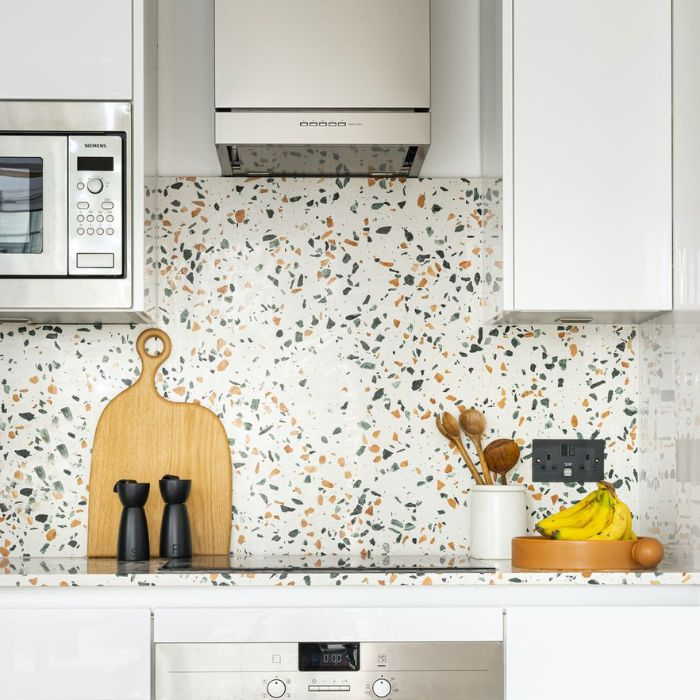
<point x="374" y="144"/>
<point x="310" y="159"/>
<point x="315" y="160"/>
<point x="293" y="99"/>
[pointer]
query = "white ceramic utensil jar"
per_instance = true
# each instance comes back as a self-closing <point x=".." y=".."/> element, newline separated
<point x="497" y="515"/>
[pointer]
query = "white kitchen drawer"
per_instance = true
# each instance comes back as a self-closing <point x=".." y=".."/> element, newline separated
<point x="328" y="624"/>
<point x="75" y="654"/>
<point x="606" y="652"/>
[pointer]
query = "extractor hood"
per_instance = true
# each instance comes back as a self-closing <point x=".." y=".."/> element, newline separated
<point x="322" y="87"/>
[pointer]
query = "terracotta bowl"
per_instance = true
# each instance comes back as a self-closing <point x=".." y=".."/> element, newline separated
<point x="540" y="553"/>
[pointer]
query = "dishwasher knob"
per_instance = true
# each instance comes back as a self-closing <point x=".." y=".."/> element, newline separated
<point x="381" y="687"/>
<point x="276" y="688"/>
<point x="95" y="185"/>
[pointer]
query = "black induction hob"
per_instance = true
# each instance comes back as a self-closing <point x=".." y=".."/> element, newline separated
<point x="328" y="564"/>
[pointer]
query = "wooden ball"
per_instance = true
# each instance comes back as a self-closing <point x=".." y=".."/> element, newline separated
<point x="648" y="552"/>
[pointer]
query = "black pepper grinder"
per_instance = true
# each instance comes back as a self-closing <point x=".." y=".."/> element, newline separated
<point x="132" y="544"/>
<point x="175" y="535"/>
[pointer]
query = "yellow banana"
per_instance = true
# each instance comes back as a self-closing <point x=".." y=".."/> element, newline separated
<point x="628" y="530"/>
<point x="576" y="516"/>
<point x="601" y="515"/>
<point x="619" y="522"/>
<point x="598" y="522"/>
<point x="578" y="519"/>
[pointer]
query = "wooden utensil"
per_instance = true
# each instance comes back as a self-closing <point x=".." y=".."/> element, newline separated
<point x="447" y="418"/>
<point x="542" y="554"/>
<point x="140" y="435"/>
<point x="473" y="424"/>
<point x="501" y="456"/>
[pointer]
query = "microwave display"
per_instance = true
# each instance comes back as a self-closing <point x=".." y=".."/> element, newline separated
<point x="98" y="164"/>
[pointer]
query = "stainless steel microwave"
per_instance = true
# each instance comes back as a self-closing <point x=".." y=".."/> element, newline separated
<point x="63" y="190"/>
<point x="71" y="249"/>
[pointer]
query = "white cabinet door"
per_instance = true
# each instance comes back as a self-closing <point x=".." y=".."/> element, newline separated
<point x="579" y="653"/>
<point x="589" y="155"/>
<point x="686" y="156"/>
<point x="75" y="654"/>
<point x="67" y="50"/>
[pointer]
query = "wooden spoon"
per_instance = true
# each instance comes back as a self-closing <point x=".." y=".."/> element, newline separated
<point x="473" y="424"/>
<point x="442" y="423"/>
<point x="501" y="456"/>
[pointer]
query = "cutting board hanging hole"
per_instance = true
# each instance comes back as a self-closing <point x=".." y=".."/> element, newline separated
<point x="151" y="339"/>
<point x="154" y="347"/>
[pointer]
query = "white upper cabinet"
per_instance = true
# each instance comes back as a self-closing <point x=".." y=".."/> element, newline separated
<point x="67" y="50"/>
<point x="686" y="156"/>
<point x="587" y="159"/>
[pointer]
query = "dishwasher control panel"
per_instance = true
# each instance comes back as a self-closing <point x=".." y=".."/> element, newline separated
<point x="325" y="670"/>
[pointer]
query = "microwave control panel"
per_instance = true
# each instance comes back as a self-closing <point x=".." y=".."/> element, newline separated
<point x="96" y="220"/>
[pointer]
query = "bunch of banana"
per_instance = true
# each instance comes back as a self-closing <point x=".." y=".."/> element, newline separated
<point x="601" y="515"/>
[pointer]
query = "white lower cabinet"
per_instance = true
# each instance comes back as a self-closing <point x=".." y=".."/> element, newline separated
<point x="605" y="652"/>
<point x="75" y="654"/>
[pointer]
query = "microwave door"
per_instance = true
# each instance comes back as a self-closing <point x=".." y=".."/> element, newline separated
<point x="33" y="196"/>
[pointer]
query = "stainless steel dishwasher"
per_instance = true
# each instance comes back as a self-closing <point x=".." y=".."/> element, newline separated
<point x="334" y="666"/>
<point x="321" y="670"/>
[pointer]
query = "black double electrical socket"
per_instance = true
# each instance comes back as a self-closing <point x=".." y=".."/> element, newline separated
<point x="568" y="460"/>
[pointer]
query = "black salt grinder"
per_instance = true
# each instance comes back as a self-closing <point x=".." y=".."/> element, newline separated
<point x="175" y="535"/>
<point x="132" y="544"/>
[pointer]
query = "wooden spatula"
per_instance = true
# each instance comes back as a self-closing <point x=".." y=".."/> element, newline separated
<point x="501" y="456"/>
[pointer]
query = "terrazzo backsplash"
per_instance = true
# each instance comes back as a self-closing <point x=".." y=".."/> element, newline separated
<point x="325" y="322"/>
<point x="669" y="443"/>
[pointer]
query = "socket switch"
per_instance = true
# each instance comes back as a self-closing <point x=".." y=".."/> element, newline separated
<point x="568" y="460"/>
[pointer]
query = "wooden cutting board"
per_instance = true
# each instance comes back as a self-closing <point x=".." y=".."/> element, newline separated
<point x="142" y="436"/>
